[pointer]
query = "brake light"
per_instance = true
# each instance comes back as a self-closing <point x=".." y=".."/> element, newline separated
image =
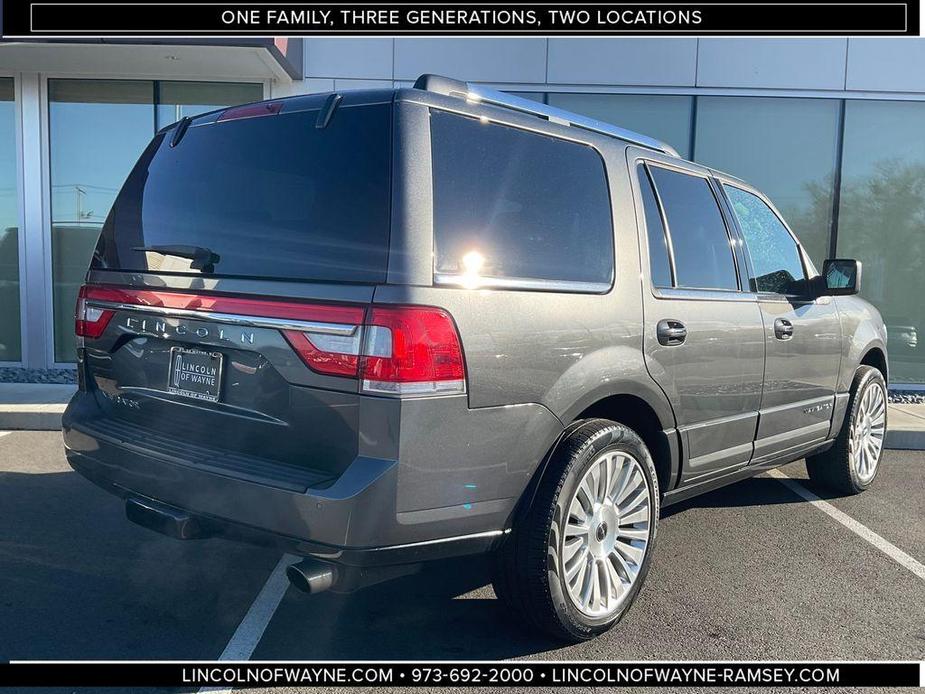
<point x="393" y="350"/>
<point x="251" y="111"/>
<point x="411" y="350"/>
<point x="90" y="321"/>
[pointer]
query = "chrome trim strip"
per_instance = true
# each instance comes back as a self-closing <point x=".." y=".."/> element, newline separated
<point x="557" y="115"/>
<point x="234" y="319"/>
<point x="440" y="540"/>
<point x="467" y="282"/>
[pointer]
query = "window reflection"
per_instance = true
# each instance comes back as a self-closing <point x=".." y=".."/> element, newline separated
<point x="881" y="220"/>
<point x="10" y="339"/>
<point x="97" y="130"/>
<point x="785" y="147"/>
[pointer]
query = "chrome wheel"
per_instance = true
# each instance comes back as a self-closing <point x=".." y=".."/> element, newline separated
<point x="606" y="534"/>
<point x="867" y="432"/>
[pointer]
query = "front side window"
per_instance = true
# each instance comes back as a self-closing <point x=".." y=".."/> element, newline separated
<point x="702" y="250"/>
<point x="518" y="206"/>
<point x="774" y="254"/>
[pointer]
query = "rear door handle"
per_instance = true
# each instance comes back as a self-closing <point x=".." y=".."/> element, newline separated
<point x="783" y="329"/>
<point x="670" y="332"/>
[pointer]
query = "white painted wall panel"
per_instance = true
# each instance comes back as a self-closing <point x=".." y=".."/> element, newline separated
<point x="361" y="58"/>
<point x="478" y="59"/>
<point x="894" y="64"/>
<point x="623" y="61"/>
<point x="772" y="63"/>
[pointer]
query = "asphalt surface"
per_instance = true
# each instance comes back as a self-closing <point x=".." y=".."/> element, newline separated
<point x="751" y="571"/>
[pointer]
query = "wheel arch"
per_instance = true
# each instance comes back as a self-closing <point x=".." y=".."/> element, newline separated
<point x="644" y="415"/>
<point x="875" y="356"/>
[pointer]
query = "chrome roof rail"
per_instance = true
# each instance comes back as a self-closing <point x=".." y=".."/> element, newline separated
<point x="478" y="93"/>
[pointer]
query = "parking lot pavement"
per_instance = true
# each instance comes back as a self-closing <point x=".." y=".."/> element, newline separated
<point x="749" y="571"/>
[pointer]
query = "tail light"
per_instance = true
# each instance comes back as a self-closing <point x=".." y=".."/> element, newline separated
<point x="406" y="350"/>
<point x="90" y="321"/>
<point x="411" y="350"/>
<point x="392" y="350"/>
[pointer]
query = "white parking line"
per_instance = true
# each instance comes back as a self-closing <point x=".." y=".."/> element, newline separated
<point x="249" y="632"/>
<point x="888" y="548"/>
<point x="4" y="433"/>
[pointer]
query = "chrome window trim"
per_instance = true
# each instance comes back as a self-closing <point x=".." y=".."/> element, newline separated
<point x="234" y="319"/>
<point x="468" y="282"/>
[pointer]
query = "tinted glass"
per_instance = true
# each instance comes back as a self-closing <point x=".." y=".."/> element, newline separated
<point x="881" y="221"/>
<point x="271" y="197"/>
<point x="664" y="117"/>
<point x="658" y="244"/>
<point x="9" y="228"/>
<point x="97" y="130"/>
<point x="702" y="251"/>
<point x="514" y="204"/>
<point x="774" y="254"/>
<point x="177" y="100"/>
<point x="785" y="147"/>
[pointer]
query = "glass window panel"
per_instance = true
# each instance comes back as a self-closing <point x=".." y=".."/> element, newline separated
<point x="658" y="243"/>
<point x="702" y="252"/>
<point x="10" y="342"/>
<point x="774" y="254"/>
<point x="177" y="100"/>
<point x="785" y="147"/>
<point x="881" y="221"/>
<point x="665" y="117"/>
<point x="97" y="130"/>
<point x="513" y="204"/>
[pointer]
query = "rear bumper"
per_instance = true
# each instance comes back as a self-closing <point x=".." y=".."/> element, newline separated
<point x="362" y="518"/>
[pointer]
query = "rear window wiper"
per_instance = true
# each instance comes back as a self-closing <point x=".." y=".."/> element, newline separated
<point x="203" y="258"/>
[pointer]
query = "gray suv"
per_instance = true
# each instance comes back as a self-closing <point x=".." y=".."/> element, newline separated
<point x="376" y="328"/>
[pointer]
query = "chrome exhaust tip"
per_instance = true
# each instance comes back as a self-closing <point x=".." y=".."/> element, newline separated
<point x="311" y="576"/>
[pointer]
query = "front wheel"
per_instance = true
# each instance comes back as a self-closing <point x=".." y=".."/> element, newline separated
<point x="852" y="463"/>
<point x="576" y="561"/>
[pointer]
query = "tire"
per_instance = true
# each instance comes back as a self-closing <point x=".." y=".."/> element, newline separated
<point x="538" y="566"/>
<point x="850" y="466"/>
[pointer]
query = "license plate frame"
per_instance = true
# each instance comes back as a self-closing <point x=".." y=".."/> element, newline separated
<point x="206" y="382"/>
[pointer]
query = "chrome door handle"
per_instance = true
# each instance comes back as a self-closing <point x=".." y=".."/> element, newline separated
<point x="670" y="332"/>
<point x="783" y="329"/>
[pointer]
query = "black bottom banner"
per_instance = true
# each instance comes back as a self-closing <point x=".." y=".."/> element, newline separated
<point x="192" y="675"/>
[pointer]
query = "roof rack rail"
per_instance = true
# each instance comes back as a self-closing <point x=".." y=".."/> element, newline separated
<point x="475" y="92"/>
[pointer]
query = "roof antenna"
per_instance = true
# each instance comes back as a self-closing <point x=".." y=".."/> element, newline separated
<point x="180" y="130"/>
<point x="327" y="111"/>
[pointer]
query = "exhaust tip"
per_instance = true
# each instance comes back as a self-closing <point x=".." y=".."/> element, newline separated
<point x="311" y="576"/>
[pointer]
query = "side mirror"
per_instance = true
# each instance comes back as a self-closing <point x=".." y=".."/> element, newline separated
<point x="842" y="277"/>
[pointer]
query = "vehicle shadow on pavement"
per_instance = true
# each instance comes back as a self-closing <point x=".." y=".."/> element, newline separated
<point x="77" y="580"/>
<point x="446" y="611"/>
<point x="756" y="491"/>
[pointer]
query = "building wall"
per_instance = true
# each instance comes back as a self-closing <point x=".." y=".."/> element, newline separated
<point x="830" y="128"/>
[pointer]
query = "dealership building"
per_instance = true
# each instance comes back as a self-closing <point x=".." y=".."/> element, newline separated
<point x="832" y="129"/>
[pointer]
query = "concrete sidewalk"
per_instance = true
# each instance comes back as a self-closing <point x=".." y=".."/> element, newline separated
<point x="35" y="406"/>
<point x="39" y="406"/>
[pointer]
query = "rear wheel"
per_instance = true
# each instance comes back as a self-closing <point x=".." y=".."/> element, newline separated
<point x="576" y="561"/>
<point x="851" y="464"/>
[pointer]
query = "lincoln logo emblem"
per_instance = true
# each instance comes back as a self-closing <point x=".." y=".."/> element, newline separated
<point x="160" y="327"/>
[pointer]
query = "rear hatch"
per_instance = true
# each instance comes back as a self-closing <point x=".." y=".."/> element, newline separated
<point x="222" y="320"/>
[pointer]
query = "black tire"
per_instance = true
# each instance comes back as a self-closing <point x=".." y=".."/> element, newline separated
<point x="529" y="569"/>
<point x="834" y="468"/>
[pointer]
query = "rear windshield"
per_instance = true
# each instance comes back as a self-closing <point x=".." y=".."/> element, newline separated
<point x="272" y="196"/>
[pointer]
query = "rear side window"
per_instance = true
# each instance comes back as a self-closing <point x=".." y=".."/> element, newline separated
<point x="659" y="263"/>
<point x="514" y="205"/>
<point x="774" y="254"/>
<point x="270" y="197"/>
<point x="699" y="240"/>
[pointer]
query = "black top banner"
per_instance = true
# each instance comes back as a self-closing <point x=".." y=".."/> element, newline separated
<point x="152" y="19"/>
<point x="522" y="675"/>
